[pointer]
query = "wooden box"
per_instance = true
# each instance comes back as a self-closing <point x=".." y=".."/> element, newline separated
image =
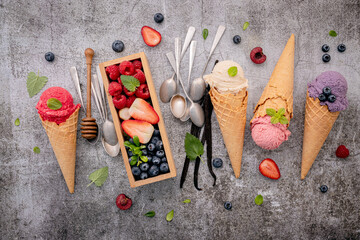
<point x="155" y="103"/>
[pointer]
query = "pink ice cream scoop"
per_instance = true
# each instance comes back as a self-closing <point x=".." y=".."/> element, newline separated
<point x="268" y="135"/>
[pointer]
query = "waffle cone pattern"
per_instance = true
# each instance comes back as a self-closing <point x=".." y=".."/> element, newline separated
<point x="317" y="126"/>
<point x="62" y="138"/>
<point x="278" y="93"/>
<point x="230" y="110"/>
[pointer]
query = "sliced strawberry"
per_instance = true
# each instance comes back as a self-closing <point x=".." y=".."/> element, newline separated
<point x="269" y="169"/>
<point x="129" y="101"/>
<point x="137" y="64"/>
<point x="139" y="75"/>
<point x="141" y="110"/>
<point x="142" y="129"/>
<point x="142" y="91"/>
<point x="151" y="36"/>
<point x="119" y="101"/>
<point x="124" y="114"/>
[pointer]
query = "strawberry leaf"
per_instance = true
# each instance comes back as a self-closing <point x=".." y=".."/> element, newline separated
<point x="271" y="112"/>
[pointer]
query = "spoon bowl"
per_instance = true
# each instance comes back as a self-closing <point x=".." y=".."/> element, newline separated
<point x="111" y="150"/>
<point x="168" y="89"/>
<point x="197" y="115"/>
<point x="178" y="105"/>
<point x="197" y="89"/>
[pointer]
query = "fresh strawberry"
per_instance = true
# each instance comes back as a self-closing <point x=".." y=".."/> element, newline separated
<point x="342" y="152"/>
<point x="269" y="169"/>
<point x="137" y="64"/>
<point x="129" y="101"/>
<point x="141" y="110"/>
<point x="113" y="72"/>
<point x="115" y="89"/>
<point x="126" y="68"/>
<point x="119" y="101"/>
<point x="142" y="91"/>
<point x="142" y="129"/>
<point x="123" y="202"/>
<point x="124" y="114"/>
<point x="151" y="36"/>
<point x="139" y="75"/>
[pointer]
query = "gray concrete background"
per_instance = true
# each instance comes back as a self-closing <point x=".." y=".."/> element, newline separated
<point x="35" y="203"/>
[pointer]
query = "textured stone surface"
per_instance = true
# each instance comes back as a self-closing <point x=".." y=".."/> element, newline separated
<point x="34" y="198"/>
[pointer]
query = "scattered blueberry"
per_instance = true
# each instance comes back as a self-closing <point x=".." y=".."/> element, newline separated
<point x="237" y="39"/>
<point x="154" y="171"/>
<point x="154" y="140"/>
<point x="217" y="162"/>
<point x="326" y="57"/>
<point x="163" y="159"/>
<point x="164" y="167"/>
<point x="135" y="171"/>
<point x="341" y="48"/>
<point x="322" y="97"/>
<point x="158" y="17"/>
<point x="118" y="46"/>
<point x="325" y="48"/>
<point x="331" y="98"/>
<point x="144" y="152"/>
<point x="156" y="132"/>
<point x="323" y="188"/>
<point x="227" y="205"/>
<point x="156" y="160"/>
<point x="151" y="147"/>
<point x="160" y="153"/>
<point x="144" y="175"/>
<point x="159" y="145"/>
<point x="49" y="56"/>
<point x="327" y="91"/>
<point x="144" y="166"/>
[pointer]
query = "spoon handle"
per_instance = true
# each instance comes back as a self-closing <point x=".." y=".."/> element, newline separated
<point x="187" y="41"/>
<point x="171" y="58"/>
<point x="75" y="78"/>
<point x="191" y="60"/>
<point x="177" y="57"/>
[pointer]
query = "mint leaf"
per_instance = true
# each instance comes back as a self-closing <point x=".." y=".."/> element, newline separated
<point x="136" y="140"/>
<point x="271" y="112"/>
<point x="53" y="104"/>
<point x="150" y="214"/>
<point x="134" y="160"/>
<point x="17" y="122"/>
<point x="245" y="26"/>
<point x="205" y="33"/>
<point x="170" y="216"/>
<point x="193" y="147"/>
<point x="187" y="201"/>
<point x="144" y="158"/>
<point x="128" y="144"/>
<point x="99" y="176"/>
<point x="332" y="33"/>
<point x="130" y="82"/>
<point x="283" y="120"/>
<point x="281" y="111"/>
<point x="35" y="83"/>
<point x="232" y="71"/>
<point x="274" y="120"/>
<point x="259" y="200"/>
<point x="138" y="163"/>
<point x="36" y="150"/>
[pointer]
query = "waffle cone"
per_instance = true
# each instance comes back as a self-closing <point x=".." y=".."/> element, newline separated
<point x="62" y="138"/>
<point x="317" y="126"/>
<point x="278" y="93"/>
<point x="230" y="110"/>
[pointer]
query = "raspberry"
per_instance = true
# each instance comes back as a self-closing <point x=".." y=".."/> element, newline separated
<point x="126" y="68"/>
<point x="127" y="92"/>
<point x="119" y="101"/>
<point x="113" y="72"/>
<point x="115" y="89"/>
<point x="139" y="75"/>
<point x="129" y="101"/>
<point x="142" y="91"/>
<point x="137" y="64"/>
<point x="342" y="152"/>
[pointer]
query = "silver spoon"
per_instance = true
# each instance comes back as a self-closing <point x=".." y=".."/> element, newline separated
<point x="191" y="63"/>
<point x="169" y="87"/>
<point x="198" y="86"/>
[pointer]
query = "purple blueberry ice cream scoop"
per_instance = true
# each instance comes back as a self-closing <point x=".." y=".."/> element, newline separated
<point x="338" y="85"/>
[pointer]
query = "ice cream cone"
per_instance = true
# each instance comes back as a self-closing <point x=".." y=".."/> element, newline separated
<point x="278" y="93"/>
<point x="230" y="112"/>
<point x="318" y="123"/>
<point x="63" y="141"/>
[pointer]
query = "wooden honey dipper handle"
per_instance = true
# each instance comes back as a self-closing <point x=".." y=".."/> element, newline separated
<point x="89" y="53"/>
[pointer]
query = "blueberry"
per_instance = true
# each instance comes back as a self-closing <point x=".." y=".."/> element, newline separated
<point x="159" y="145"/>
<point x="237" y="39"/>
<point x="49" y="56"/>
<point x="151" y="147"/>
<point x="227" y="205"/>
<point x="325" y="48"/>
<point x="118" y="46"/>
<point x="331" y="98"/>
<point x="130" y="154"/>
<point x="144" y="166"/>
<point x="158" y="17"/>
<point x="144" y="152"/>
<point x="322" y="97"/>
<point x="323" y="188"/>
<point x="217" y="162"/>
<point x="163" y="159"/>
<point x="135" y="171"/>
<point x="160" y="153"/>
<point x="164" y="167"/>
<point x="326" y="57"/>
<point x="131" y="141"/>
<point x="149" y="158"/>
<point x="154" y="140"/>
<point x="156" y="132"/>
<point x="327" y="91"/>
<point x="156" y="160"/>
<point x="154" y="171"/>
<point x="144" y="175"/>
<point x="341" y="48"/>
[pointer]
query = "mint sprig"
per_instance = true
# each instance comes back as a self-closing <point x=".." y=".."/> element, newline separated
<point x="193" y="147"/>
<point x="17" y="122"/>
<point x="332" y="33"/>
<point x="205" y="33"/>
<point x="150" y="214"/>
<point x="36" y="150"/>
<point x="170" y="216"/>
<point x="130" y="82"/>
<point x="277" y="117"/>
<point x="232" y="71"/>
<point x="99" y="176"/>
<point x="245" y="26"/>
<point x="135" y="148"/>
<point x="35" y="83"/>
<point x="53" y="104"/>
<point x="187" y="201"/>
<point x="259" y="200"/>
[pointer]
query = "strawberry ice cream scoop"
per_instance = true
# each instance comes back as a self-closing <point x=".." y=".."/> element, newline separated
<point x="64" y="112"/>
<point x="268" y="135"/>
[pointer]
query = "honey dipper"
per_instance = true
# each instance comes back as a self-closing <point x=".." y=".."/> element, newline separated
<point x="89" y="129"/>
